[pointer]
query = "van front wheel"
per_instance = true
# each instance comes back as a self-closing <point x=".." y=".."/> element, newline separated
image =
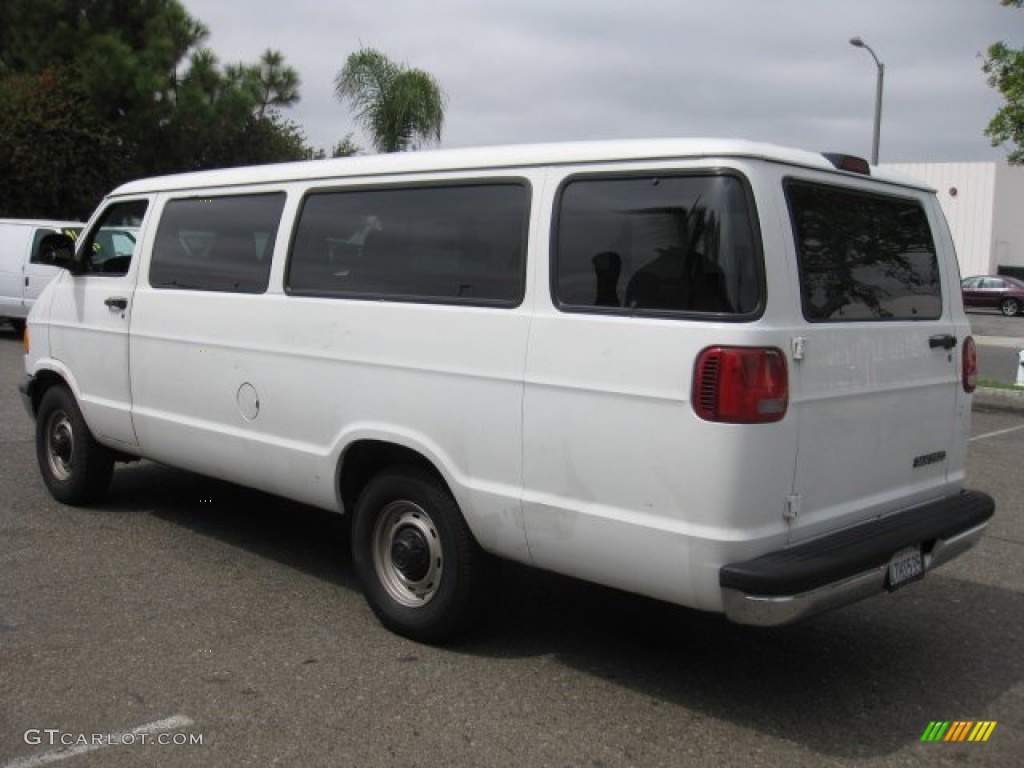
<point x="422" y="572"/>
<point x="75" y="468"/>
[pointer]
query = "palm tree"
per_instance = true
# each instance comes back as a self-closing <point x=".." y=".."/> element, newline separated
<point x="400" y="108"/>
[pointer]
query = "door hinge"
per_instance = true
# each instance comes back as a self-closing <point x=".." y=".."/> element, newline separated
<point x="797" y="344"/>
<point x="792" y="507"/>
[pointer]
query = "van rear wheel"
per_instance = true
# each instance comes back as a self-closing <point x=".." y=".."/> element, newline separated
<point x="75" y="468"/>
<point x="422" y="572"/>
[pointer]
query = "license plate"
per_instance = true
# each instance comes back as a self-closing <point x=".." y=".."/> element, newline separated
<point x="904" y="567"/>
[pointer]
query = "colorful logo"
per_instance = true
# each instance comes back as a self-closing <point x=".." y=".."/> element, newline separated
<point x="958" y="730"/>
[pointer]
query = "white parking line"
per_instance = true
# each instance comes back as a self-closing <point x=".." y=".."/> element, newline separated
<point x="107" y="740"/>
<point x="997" y="433"/>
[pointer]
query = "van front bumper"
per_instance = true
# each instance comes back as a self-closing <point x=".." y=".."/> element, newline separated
<point x="852" y="564"/>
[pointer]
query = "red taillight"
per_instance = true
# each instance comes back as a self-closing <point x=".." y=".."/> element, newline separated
<point x="741" y="385"/>
<point x="969" y="365"/>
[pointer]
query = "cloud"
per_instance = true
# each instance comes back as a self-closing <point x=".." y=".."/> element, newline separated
<point x="534" y="70"/>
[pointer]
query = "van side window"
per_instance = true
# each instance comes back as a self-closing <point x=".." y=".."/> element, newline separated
<point x="655" y="244"/>
<point x="217" y="243"/>
<point x="455" y="244"/>
<point x="863" y="256"/>
<point x="111" y="243"/>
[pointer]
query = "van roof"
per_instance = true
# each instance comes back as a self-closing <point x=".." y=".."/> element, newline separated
<point x="42" y="223"/>
<point x="512" y="156"/>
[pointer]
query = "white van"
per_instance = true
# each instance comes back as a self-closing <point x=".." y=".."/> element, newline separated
<point x="723" y="374"/>
<point x="22" y="276"/>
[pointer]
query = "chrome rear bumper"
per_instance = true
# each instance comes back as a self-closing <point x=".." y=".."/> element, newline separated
<point x="842" y="568"/>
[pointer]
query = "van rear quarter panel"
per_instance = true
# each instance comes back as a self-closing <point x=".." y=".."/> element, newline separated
<point x="624" y="483"/>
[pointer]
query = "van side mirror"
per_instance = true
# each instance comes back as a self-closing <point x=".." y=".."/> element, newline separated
<point x="58" y="250"/>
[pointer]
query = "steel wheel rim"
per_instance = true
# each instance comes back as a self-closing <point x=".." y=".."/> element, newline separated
<point x="407" y="553"/>
<point x="60" y="445"/>
<point x="1010" y="307"/>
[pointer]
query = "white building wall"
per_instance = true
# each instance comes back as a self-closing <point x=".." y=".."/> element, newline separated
<point x="970" y="209"/>
<point x="1008" y="220"/>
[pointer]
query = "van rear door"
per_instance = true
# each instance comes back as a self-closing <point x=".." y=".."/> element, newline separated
<point x="875" y="371"/>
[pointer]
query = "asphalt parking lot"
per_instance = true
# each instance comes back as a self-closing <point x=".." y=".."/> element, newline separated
<point x="188" y="607"/>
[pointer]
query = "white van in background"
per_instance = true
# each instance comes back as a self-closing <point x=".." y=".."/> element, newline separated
<point x="727" y="375"/>
<point x="22" y="276"/>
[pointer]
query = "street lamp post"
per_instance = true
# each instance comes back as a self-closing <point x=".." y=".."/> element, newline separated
<point x="858" y="43"/>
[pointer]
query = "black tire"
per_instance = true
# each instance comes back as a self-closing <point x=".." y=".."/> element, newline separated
<point x="1009" y="307"/>
<point x="75" y="468"/>
<point x="421" y="570"/>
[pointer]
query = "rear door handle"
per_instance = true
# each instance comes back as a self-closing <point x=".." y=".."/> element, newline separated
<point x="116" y="302"/>
<point x="943" y="340"/>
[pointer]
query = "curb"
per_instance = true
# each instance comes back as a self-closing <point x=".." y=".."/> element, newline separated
<point x="990" y="398"/>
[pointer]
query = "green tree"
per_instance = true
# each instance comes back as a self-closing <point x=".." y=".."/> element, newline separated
<point x="122" y="55"/>
<point x="220" y="119"/>
<point x="1005" y="69"/>
<point x="147" y="99"/>
<point x="56" y="156"/>
<point x="346" y="147"/>
<point x="399" y="107"/>
<point x="276" y="85"/>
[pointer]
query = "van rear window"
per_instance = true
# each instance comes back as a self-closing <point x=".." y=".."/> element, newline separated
<point x="863" y="256"/>
<point x="657" y="244"/>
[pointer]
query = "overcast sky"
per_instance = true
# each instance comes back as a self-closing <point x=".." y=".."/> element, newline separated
<point x="551" y="70"/>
